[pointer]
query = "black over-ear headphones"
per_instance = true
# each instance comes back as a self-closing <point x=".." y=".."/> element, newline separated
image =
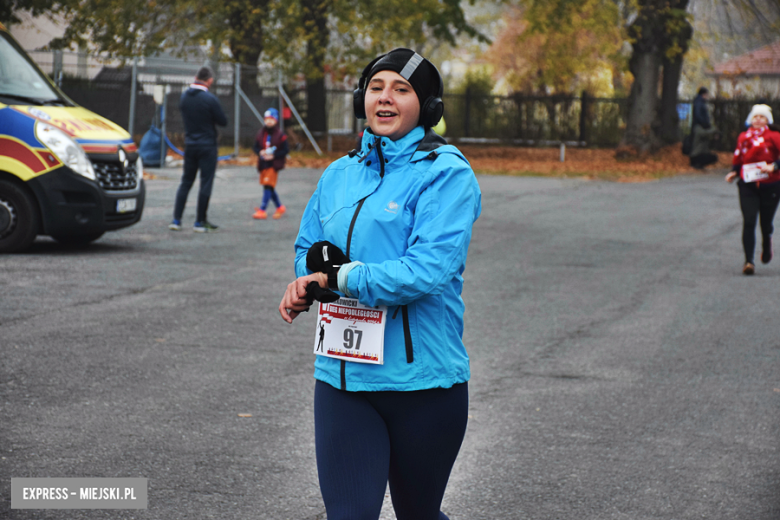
<point x="432" y="108"/>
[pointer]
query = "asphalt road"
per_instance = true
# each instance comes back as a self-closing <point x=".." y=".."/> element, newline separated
<point x="622" y="366"/>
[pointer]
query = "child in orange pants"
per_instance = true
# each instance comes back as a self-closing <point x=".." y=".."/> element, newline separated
<point x="271" y="148"/>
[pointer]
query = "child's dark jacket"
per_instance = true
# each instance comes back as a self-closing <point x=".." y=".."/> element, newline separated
<point x="279" y="140"/>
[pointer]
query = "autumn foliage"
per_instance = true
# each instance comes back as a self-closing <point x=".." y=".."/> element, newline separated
<point x="583" y="163"/>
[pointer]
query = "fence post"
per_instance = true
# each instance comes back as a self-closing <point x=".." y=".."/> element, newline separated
<point x="164" y="126"/>
<point x="237" y="108"/>
<point x="466" y="113"/>
<point x="81" y="63"/>
<point x="281" y="102"/>
<point x="57" y="68"/>
<point x="584" y="119"/>
<point x="133" y="92"/>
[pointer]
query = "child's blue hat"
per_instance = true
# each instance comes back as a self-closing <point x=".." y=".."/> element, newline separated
<point x="272" y="112"/>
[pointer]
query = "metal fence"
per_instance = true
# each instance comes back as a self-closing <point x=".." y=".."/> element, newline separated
<point x="105" y="87"/>
<point x="535" y="119"/>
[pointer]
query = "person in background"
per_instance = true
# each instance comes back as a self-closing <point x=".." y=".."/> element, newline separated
<point x="389" y="227"/>
<point x="757" y="168"/>
<point x="703" y="132"/>
<point x="201" y="113"/>
<point x="271" y="148"/>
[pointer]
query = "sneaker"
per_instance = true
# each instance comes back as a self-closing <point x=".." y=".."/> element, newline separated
<point x="260" y="214"/>
<point x="280" y="211"/>
<point x="766" y="253"/>
<point x="204" y="227"/>
<point x="175" y="225"/>
<point x="748" y="268"/>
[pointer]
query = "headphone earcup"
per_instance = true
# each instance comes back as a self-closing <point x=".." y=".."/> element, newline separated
<point x="359" y="103"/>
<point x="432" y="112"/>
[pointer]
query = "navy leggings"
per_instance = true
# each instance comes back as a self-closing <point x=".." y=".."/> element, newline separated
<point x="269" y="194"/>
<point x="758" y="203"/>
<point x="366" y="439"/>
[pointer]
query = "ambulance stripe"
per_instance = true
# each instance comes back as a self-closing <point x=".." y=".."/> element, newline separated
<point x="48" y="158"/>
<point x="21" y="153"/>
<point x="99" y="148"/>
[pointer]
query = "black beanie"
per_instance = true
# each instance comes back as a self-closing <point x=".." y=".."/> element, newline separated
<point x="415" y="69"/>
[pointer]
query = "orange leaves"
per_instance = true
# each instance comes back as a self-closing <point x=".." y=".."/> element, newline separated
<point x="595" y="164"/>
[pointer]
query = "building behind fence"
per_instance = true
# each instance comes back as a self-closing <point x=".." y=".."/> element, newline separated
<point x="105" y="86"/>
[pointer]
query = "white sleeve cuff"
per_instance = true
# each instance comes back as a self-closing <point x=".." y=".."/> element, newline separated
<point x="343" y="273"/>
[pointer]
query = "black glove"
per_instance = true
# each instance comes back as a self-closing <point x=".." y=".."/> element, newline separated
<point x="324" y="257"/>
<point x="315" y="292"/>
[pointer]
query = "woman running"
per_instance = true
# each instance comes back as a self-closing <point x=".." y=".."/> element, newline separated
<point x="756" y="163"/>
<point x="388" y="227"/>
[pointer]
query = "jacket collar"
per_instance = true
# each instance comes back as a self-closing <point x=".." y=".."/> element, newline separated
<point x="199" y="86"/>
<point x="403" y="150"/>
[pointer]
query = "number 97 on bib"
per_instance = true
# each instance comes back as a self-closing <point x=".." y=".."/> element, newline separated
<point x="349" y="330"/>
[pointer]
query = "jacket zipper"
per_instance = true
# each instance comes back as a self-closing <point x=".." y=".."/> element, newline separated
<point x="349" y="247"/>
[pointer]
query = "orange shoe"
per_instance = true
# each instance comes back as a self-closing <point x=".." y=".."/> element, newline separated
<point x="280" y="211"/>
<point x="260" y="214"/>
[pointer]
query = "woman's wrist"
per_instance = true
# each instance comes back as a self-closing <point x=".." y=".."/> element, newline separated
<point x="321" y="279"/>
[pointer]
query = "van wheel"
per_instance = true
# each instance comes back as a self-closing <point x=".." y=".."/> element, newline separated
<point x="77" y="240"/>
<point x="18" y="218"/>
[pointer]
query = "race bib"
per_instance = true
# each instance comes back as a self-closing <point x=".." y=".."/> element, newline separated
<point x="752" y="172"/>
<point x="349" y="330"/>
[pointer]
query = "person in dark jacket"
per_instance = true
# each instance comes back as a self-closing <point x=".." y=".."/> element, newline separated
<point x="201" y="113"/>
<point x="703" y="131"/>
<point x="271" y="149"/>
<point x="701" y="114"/>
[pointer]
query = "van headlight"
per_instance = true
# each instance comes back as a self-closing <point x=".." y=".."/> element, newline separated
<point x="139" y="169"/>
<point x="67" y="150"/>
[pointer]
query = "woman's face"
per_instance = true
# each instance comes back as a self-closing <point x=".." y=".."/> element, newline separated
<point x="759" y="121"/>
<point x="392" y="107"/>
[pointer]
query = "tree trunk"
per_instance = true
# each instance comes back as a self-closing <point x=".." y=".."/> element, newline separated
<point x="677" y="43"/>
<point x="246" y="38"/>
<point x="661" y="34"/>
<point x="315" y="18"/>
<point x="316" y="116"/>
<point x="642" y="102"/>
<point x="669" y="127"/>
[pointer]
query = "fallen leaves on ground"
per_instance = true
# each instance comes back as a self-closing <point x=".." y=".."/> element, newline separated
<point x="545" y="162"/>
<point x="586" y="163"/>
<point x="583" y="163"/>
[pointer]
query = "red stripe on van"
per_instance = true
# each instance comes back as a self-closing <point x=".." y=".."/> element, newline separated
<point x="18" y="151"/>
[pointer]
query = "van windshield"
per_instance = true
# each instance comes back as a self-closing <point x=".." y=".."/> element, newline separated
<point x="20" y="81"/>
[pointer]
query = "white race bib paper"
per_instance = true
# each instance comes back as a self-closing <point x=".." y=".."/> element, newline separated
<point x="752" y="172"/>
<point x="349" y="330"/>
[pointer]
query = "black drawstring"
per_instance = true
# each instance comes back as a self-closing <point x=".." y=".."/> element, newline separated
<point x="370" y="146"/>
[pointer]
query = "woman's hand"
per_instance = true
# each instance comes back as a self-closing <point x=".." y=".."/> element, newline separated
<point x="730" y="176"/>
<point x="768" y="168"/>
<point x="294" y="300"/>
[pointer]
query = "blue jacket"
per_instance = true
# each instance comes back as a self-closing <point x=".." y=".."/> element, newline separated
<point x="405" y="209"/>
<point x="200" y="111"/>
